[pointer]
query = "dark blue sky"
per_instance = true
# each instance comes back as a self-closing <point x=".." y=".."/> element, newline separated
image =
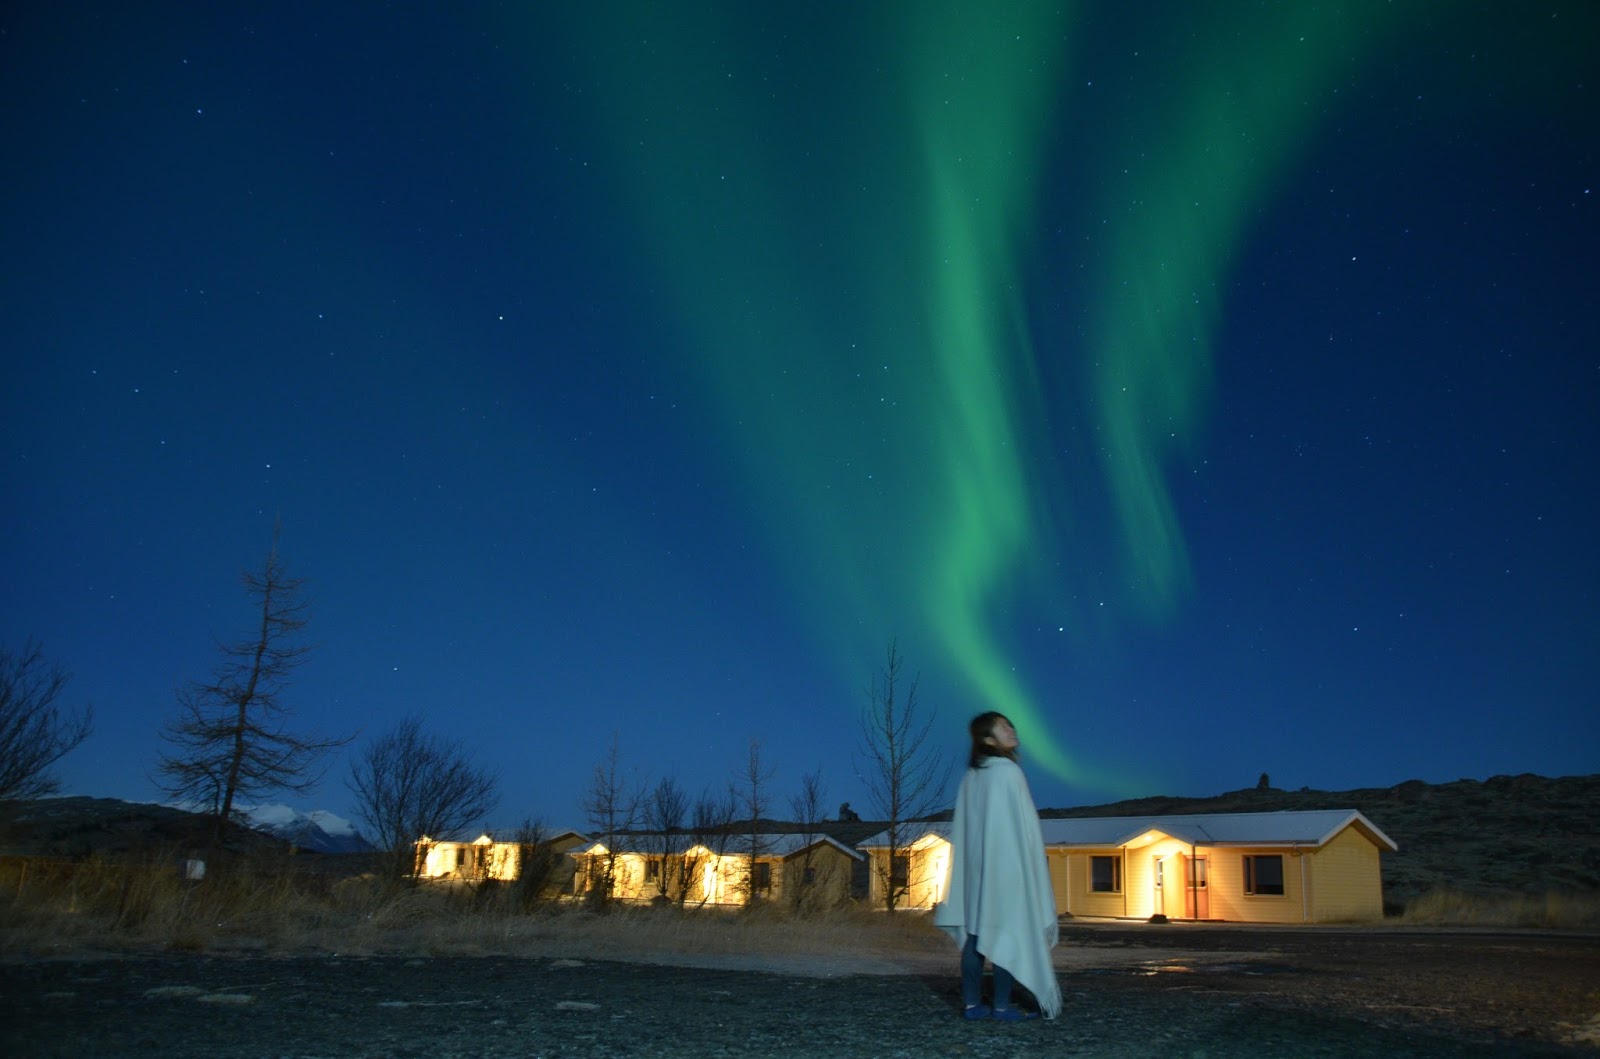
<point x="1214" y="396"/>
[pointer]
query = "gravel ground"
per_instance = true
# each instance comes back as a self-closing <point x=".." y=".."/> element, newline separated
<point x="1130" y="991"/>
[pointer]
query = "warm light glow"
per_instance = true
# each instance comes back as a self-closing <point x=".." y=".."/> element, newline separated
<point x="482" y="858"/>
<point x="939" y="866"/>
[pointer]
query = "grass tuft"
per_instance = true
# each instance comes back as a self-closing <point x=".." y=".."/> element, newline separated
<point x="1555" y="910"/>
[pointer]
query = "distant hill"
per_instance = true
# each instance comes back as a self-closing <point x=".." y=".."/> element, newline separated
<point x="80" y="827"/>
<point x="319" y="831"/>
<point x="1506" y="834"/>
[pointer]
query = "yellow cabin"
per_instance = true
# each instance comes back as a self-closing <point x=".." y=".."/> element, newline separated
<point x="1318" y="866"/>
<point x="645" y="867"/>
<point x="492" y="855"/>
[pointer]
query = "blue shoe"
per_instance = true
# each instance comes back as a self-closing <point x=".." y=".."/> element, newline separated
<point x="1012" y="1015"/>
<point x="976" y="1011"/>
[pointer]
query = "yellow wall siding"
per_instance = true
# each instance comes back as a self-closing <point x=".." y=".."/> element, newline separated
<point x="470" y="860"/>
<point x="1060" y="867"/>
<point x="929" y="869"/>
<point x="714" y="880"/>
<point x="1085" y="902"/>
<point x="830" y="882"/>
<point x="1348" y="880"/>
<point x="925" y="876"/>
<point x="1225" y="883"/>
<point x="1143" y="901"/>
<point x="485" y="859"/>
<point x="1138" y="884"/>
<point x="1230" y="902"/>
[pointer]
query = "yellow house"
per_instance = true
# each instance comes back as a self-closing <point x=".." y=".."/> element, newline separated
<point x="917" y="873"/>
<point x="492" y="854"/>
<point x="646" y="867"/>
<point x="1318" y="866"/>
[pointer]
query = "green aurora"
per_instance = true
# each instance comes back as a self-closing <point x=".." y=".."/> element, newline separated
<point x="844" y="227"/>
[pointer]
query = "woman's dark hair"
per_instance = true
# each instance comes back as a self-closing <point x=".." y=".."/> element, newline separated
<point x="981" y="728"/>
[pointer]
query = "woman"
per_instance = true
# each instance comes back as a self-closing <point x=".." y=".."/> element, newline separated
<point x="998" y="901"/>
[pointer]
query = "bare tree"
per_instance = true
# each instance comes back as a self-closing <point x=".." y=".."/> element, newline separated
<point x="537" y="861"/>
<point x="34" y="732"/>
<point x="611" y="805"/>
<point x="409" y="783"/>
<point x="751" y="789"/>
<point x="664" y="812"/>
<point x="806" y="807"/>
<point x="904" y="773"/>
<point x="710" y="827"/>
<point x="230" y="739"/>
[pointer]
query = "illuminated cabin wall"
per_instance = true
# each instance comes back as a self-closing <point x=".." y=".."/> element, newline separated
<point x="1229" y="900"/>
<point x="485" y="859"/>
<point x="479" y="859"/>
<point x="1347" y="880"/>
<point x="715" y="880"/>
<point x="1082" y="898"/>
<point x="927" y="862"/>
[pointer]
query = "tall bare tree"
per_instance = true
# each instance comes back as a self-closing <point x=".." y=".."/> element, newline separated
<point x="230" y="739"/>
<point x="806" y="807"/>
<point x="752" y="788"/>
<point x="904" y="773"/>
<point x="611" y="804"/>
<point x="34" y="732"/>
<point x="711" y="828"/>
<point x="409" y="783"/>
<point x="664" y="812"/>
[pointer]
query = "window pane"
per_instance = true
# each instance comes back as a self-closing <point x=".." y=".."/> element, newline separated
<point x="1105" y="875"/>
<point x="1264" y="874"/>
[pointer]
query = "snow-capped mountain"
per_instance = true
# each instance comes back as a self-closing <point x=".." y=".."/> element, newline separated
<point x="318" y="830"/>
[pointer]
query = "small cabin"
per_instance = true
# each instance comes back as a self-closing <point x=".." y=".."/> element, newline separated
<point x="694" y="872"/>
<point x="1316" y="866"/>
<point x="493" y="854"/>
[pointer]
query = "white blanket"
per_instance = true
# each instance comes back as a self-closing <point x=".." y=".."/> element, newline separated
<point x="998" y="885"/>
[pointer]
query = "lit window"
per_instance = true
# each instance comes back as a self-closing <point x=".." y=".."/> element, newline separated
<point x="1105" y="875"/>
<point x="1264" y="874"/>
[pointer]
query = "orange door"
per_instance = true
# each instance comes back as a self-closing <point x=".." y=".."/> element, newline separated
<point x="1197" y="896"/>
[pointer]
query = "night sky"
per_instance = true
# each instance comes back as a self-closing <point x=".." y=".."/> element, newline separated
<point x="1212" y="388"/>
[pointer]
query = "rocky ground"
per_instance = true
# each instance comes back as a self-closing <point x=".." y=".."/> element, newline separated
<point x="1181" y="990"/>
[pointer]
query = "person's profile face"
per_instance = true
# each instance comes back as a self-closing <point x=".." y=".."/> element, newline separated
<point x="1002" y="735"/>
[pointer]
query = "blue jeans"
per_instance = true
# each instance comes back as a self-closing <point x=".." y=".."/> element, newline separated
<point x="972" y="977"/>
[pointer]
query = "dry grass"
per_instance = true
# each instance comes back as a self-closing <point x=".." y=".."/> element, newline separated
<point x="53" y="908"/>
<point x="1560" y="911"/>
<point x="56" y="909"/>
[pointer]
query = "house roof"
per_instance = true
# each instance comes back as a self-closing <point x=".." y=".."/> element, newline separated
<point x="503" y="834"/>
<point x="772" y="845"/>
<point x="1288" y="828"/>
<point x="791" y="844"/>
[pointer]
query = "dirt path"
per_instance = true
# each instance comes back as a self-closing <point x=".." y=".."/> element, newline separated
<point x="1130" y="991"/>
